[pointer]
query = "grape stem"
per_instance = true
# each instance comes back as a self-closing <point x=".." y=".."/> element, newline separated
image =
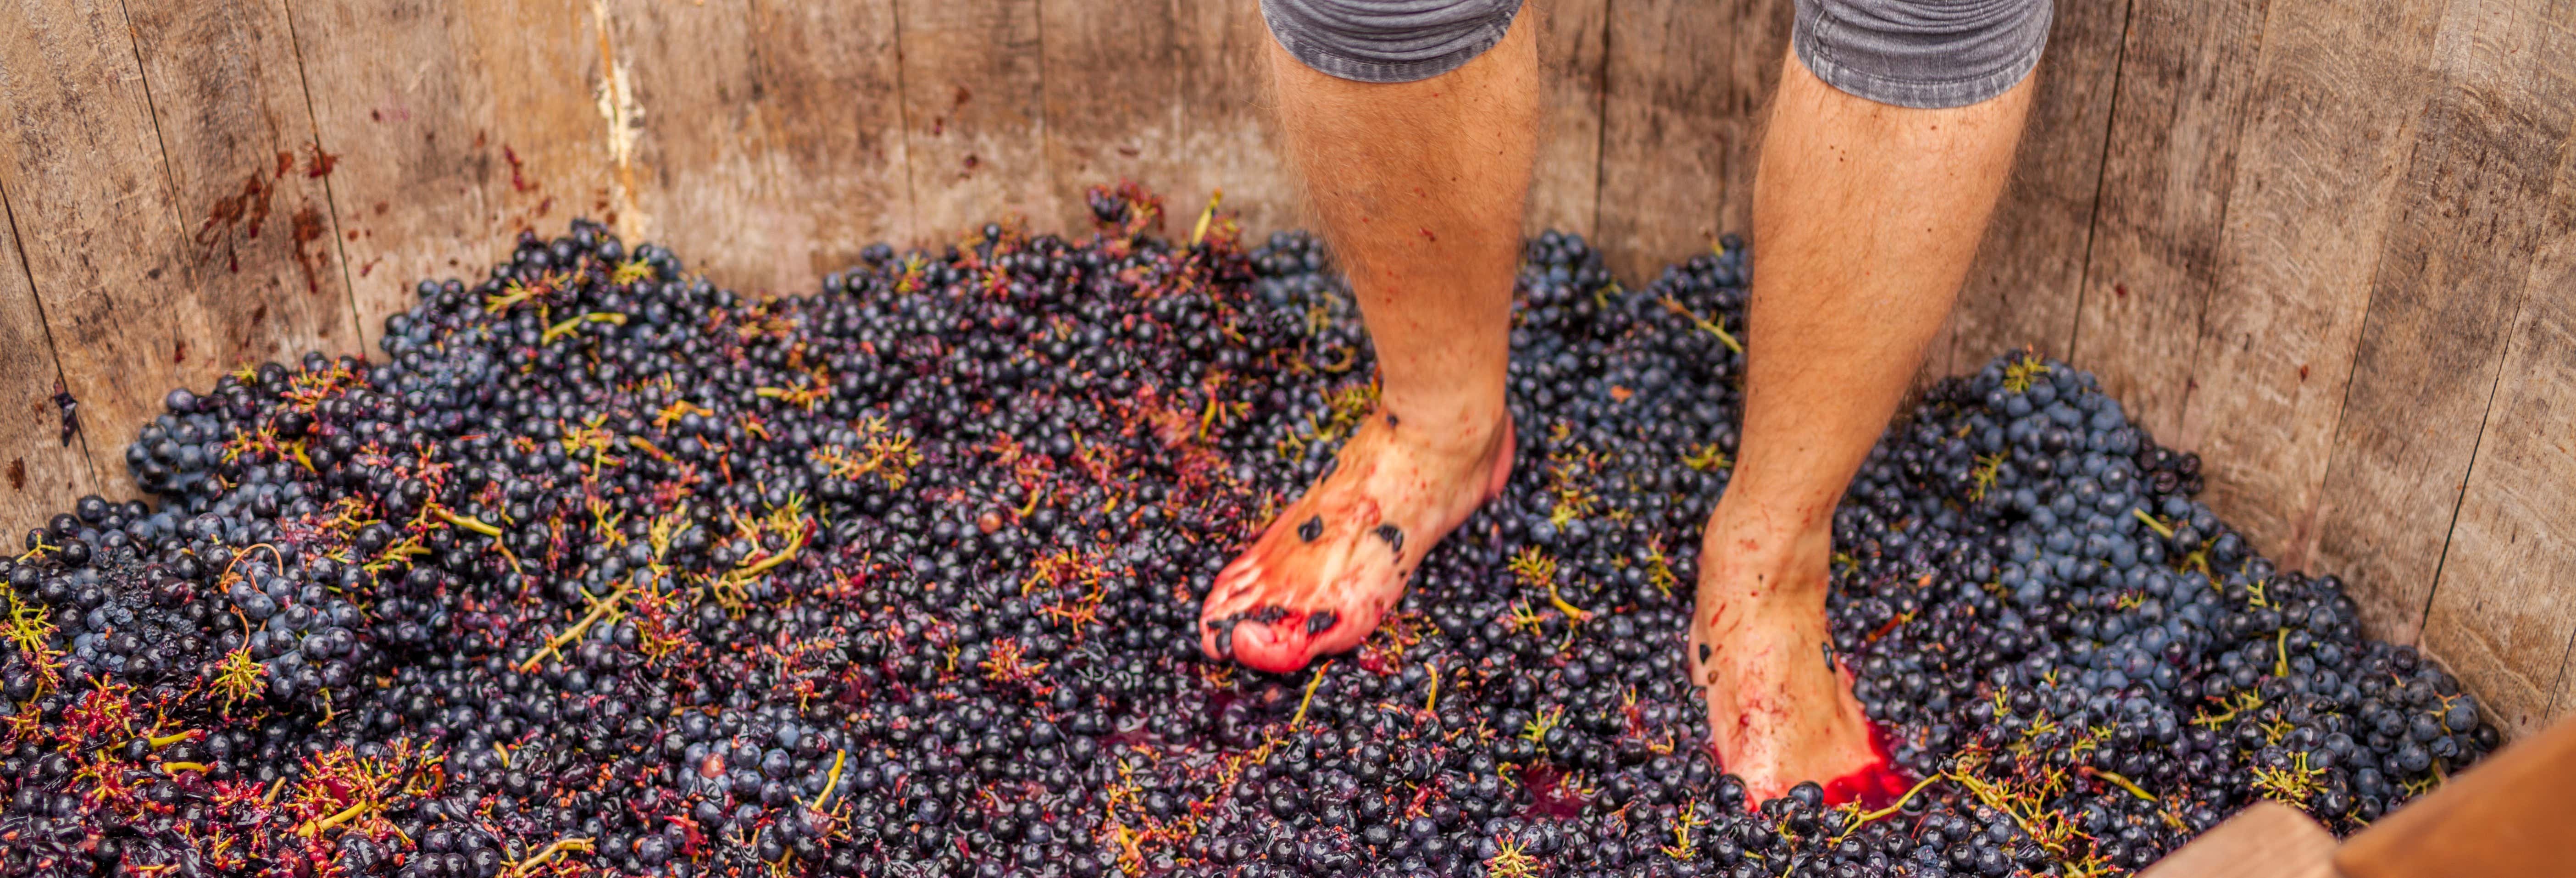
<point x="1893" y="807"/>
<point x="831" y="781"/>
<point x="2122" y="782"/>
<point x="1431" y="701"/>
<point x="1703" y="323"/>
<point x="2152" y="524"/>
<point x="528" y="866"/>
<point x="1311" y="686"/>
<point x="468" y="523"/>
<point x="314" y="828"/>
<point x="554" y="645"/>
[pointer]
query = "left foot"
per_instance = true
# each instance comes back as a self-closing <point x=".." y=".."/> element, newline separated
<point x="1335" y="560"/>
<point x="1780" y="708"/>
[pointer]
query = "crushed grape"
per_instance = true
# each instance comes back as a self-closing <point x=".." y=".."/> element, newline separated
<point x="601" y="568"/>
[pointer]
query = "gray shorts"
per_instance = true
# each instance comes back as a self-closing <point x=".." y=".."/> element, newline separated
<point x="1909" y="53"/>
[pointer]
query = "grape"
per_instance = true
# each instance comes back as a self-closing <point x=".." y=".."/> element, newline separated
<point x="603" y="567"/>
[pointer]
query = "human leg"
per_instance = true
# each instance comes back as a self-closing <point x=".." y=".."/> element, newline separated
<point x="1867" y="215"/>
<point x="1419" y="186"/>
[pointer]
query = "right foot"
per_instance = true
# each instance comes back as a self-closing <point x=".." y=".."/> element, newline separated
<point x="1329" y="566"/>
<point x="1780" y="708"/>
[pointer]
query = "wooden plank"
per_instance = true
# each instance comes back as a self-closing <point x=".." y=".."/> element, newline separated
<point x="2022" y="291"/>
<point x="2506" y="817"/>
<point x="40" y="475"/>
<point x="1758" y="44"/>
<point x="1565" y="188"/>
<point x="2337" y="91"/>
<point x="251" y="184"/>
<point x="2503" y="616"/>
<point x="2470" y="205"/>
<point x="2186" y="71"/>
<point x="1113" y="111"/>
<point x="706" y="175"/>
<point x="1665" y="133"/>
<point x="540" y="76"/>
<point x="828" y="101"/>
<point x="974" y="106"/>
<point x="2267" y="840"/>
<point x="81" y="167"/>
<point x="1228" y="139"/>
<point x="457" y="125"/>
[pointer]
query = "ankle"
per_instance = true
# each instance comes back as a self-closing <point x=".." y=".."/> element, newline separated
<point x="1459" y="431"/>
<point x="1753" y="561"/>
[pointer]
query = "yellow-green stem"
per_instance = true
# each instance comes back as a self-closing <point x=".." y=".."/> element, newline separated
<point x="469" y="524"/>
<point x="1300" y="718"/>
<point x="2152" y="524"/>
<point x="832" y="780"/>
<point x="576" y="845"/>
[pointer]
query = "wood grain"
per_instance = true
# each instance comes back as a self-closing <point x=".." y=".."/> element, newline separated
<point x="2267" y="840"/>
<point x="2469" y="207"/>
<point x="251" y="184"/>
<point x="2502" y="615"/>
<point x="1113" y="105"/>
<point x="1565" y="188"/>
<point x="2023" y="289"/>
<point x="829" y="100"/>
<point x="705" y="173"/>
<point x="1665" y="132"/>
<point x="457" y="125"/>
<point x="2338" y="90"/>
<point x="974" y="108"/>
<point x="2186" y="71"/>
<point x="81" y="166"/>
<point x="1228" y="139"/>
<point x="39" y="473"/>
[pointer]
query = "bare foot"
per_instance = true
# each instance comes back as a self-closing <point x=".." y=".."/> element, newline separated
<point x="1335" y="560"/>
<point x="1780" y="708"/>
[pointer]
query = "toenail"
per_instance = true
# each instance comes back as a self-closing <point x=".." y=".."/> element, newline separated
<point x="1314" y="527"/>
<point x="1393" y="536"/>
<point x="1391" y="421"/>
<point x="1266" y="615"/>
<point x="1225" y="641"/>
<point x="1322" y="621"/>
<point x="1703" y="653"/>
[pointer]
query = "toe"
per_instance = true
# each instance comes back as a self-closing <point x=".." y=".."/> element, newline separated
<point x="1277" y="647"/>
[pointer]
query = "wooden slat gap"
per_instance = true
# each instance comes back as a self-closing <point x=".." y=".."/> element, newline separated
<point x="2306" y="529"/>
<point x="2200" y="327"/>
<point x="2101" y="183"/>
<point x="330" y="199"/>
<point x="37" y="298"/>
<point x="2504" y="354"/>
<point x="1601" y="136"/>
<point x="2558" y="683"/>
<point x="152" y="111"/>
<point x="1046" y="172"/>
<point x="903" y="119"/>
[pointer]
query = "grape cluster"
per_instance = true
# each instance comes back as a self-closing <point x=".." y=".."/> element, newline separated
<point x="604" y="569"/>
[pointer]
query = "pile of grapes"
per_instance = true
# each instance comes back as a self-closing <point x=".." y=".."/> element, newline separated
<point x="604" y="569"/>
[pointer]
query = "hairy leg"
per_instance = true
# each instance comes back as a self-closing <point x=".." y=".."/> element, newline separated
<point x="1419" y="186"/>
<point x="1867" y="216"/>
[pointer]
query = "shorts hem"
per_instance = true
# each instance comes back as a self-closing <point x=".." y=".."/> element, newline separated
<point x="1324" y="60"/>
<point x="1809" y="44"/>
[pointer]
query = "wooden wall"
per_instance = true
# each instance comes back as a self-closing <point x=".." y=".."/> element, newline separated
<point x="2330" y="244"/>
